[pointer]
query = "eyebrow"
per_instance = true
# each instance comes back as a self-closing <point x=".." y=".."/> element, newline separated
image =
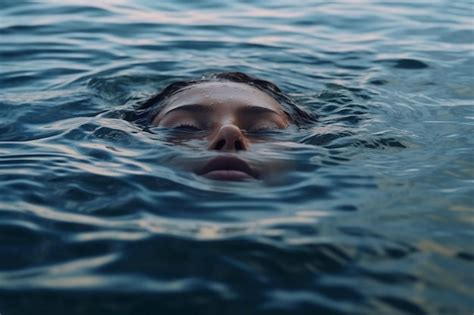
<point x="193" y="108"/>
<point x="201" y="108"/>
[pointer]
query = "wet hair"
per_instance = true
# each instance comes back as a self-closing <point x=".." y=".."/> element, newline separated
<point x="153" y="106"/>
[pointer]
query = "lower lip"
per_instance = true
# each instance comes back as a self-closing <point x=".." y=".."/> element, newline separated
<point x="231" y="175"/>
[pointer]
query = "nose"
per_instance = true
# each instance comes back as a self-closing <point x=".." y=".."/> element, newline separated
<point x="229" y="138"/>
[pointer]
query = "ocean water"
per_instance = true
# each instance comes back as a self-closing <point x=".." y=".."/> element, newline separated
<point x="375" y="217"/>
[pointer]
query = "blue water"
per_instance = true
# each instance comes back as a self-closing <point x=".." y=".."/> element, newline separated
<point x="376" y="216"/>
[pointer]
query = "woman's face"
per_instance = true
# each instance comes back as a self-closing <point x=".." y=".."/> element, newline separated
<point x="228" y="117"/>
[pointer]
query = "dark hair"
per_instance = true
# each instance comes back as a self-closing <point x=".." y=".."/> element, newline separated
<point x="151" y="107"/>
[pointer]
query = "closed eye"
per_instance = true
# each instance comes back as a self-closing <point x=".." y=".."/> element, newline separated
<point x="262" y="128"/>
<point x="265" y="130"/>
<point x="187" y="128"/>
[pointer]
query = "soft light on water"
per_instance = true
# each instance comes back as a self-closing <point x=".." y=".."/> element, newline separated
<point x="375" y="216"/>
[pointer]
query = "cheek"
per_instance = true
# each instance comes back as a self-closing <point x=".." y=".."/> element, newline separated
<point x="186" y="155"/>
<point x="272" y="159"/>
<point x="277" y="166"/>
<point x="187" y="139"/>
<point x="189" y="143"/>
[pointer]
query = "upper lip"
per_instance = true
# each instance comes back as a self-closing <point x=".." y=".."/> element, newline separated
<point x="229" y="163"/>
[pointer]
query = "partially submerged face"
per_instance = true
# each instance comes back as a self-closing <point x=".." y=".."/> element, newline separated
<point x="229" y="117"/>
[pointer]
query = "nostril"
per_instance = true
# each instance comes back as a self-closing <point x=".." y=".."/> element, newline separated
<point x="220" y="145"/>
<point x="239" y="145"/>
<point x="228" y="138"/>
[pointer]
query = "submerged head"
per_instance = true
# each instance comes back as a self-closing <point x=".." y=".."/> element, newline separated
<point x="228" y="111"/>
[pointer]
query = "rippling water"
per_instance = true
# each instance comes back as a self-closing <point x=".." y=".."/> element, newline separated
<point x="376" y="217"/>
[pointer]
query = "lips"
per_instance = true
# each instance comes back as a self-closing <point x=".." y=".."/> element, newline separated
<point x="228" y="168"/>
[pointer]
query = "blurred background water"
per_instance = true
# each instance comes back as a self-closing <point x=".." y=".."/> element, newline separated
<point x="376" y="218"/>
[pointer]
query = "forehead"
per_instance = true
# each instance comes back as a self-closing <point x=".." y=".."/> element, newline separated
<point x="222" y="93"/>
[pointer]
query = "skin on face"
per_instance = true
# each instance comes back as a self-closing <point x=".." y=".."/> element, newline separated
<point x="227" y="115"/>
